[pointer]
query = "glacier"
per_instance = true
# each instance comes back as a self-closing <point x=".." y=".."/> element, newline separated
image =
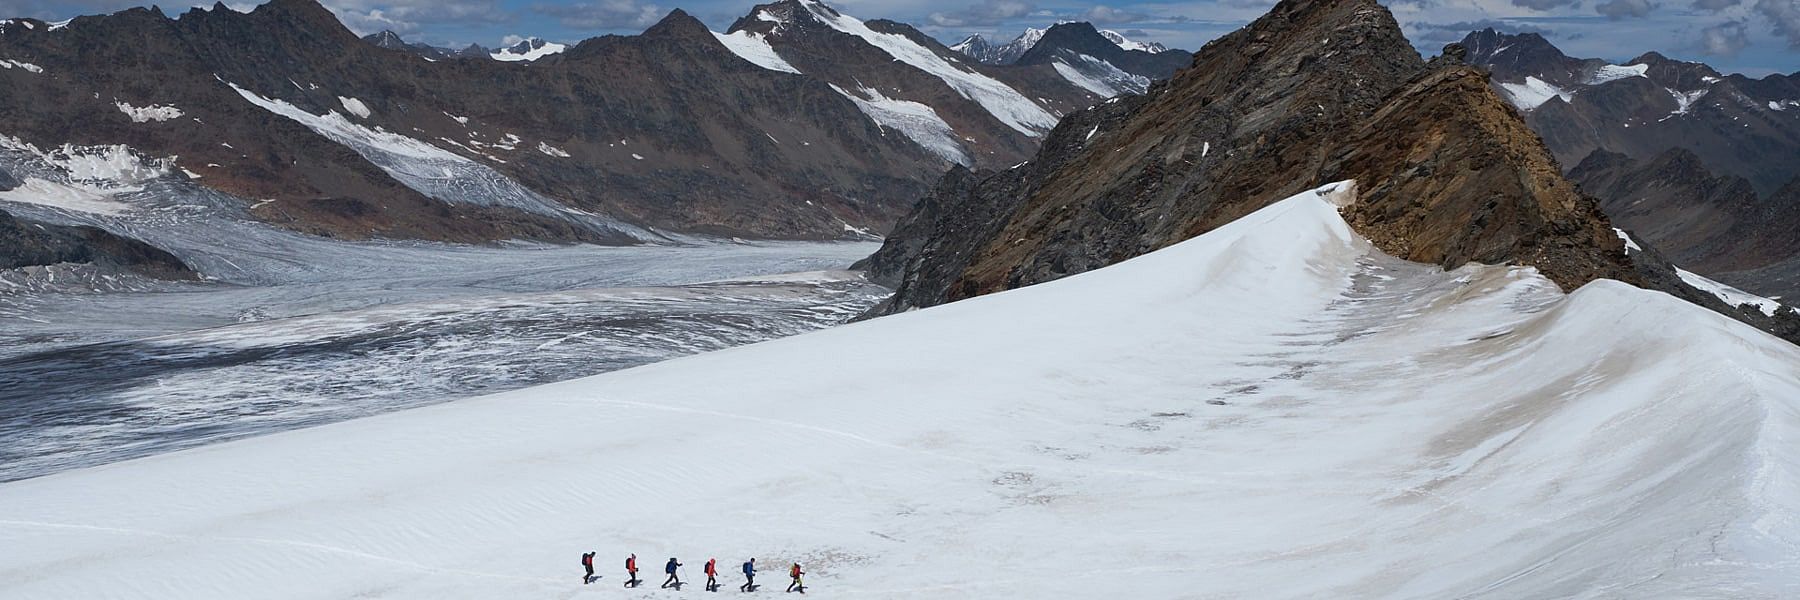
<point x="1274" y="409"/>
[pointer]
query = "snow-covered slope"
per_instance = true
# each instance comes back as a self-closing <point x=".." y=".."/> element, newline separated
<point x="1004" y="102"/>
<point x="1272" y="410"/>
<point x="1099" y="76"/>
<point x="753" y="47"/>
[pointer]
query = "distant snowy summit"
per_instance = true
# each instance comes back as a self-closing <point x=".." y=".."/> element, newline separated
<point x="529" y="49"/>
<point x="1128" y="44"/>
<point x="525" y="50"/>
<point x="979" y="48"/>
<point x="983" y="50"/>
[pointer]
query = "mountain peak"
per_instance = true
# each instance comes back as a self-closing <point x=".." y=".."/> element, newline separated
<point x="678" y="24"/>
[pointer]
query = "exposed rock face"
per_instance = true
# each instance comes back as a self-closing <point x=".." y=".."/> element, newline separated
<point x="1316" y="91"/>
<point x="1703" y="222"/>
<point x="1512" y="58"/>
<point x="29" y="243"/>
<point x="1455" y="177"/>
<point x="1736" y="126"/>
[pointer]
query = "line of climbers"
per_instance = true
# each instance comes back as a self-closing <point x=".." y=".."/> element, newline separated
<point x="674" y="580"/>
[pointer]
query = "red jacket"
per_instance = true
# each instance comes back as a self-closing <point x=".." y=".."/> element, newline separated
<point x="631" y="564"/>
<point x="711" y="569"/>
<point x="794" y="572"/>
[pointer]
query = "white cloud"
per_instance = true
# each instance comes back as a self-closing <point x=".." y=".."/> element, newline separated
<point x="1724" y="39"/>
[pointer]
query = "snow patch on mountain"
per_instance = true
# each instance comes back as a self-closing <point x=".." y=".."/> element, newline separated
<point x="528" y="50"/>
<point x="27" y="67"/>
<point x="753" y="47"/>
<point x="1386" y="428"/>
<point x="1730" y="295"/>
<point x="146" y="114"/>
<point x="549" y="150"/>
<point x="1608" y="73"/>
<point x="1000" y="100"/>
<point x="1534" y="93"/>
<point x="435" y="171"/>
<point x="917" y="121"/>
<point x="1684" y="101"/>
<point x="1098" y="76"/>
<point x="355" y="107"/>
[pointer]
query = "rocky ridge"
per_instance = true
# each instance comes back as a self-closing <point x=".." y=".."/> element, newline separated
<point x="1314" y="92"/>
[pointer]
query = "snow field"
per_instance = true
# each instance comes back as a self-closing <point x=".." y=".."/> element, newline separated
<point x="751" y="46"/>
<point x="1272" y="410"/>
<point x="917" y="121"/>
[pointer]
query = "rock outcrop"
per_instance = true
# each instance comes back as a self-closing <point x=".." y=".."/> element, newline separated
<point x="28" y="244"/>
<point x="1317" y="91"/>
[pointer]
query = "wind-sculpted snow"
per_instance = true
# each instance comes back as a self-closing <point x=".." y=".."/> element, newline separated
<point x="1271" y="410"/>
<point x="437" y="172"/>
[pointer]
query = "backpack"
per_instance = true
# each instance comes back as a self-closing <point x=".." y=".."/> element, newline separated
<point x="794" y="572"/>
<point x="587" y="560"/>
<point x="749" y="568"/>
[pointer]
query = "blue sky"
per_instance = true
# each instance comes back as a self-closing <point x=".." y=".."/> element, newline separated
<point x="1755" y="37"/>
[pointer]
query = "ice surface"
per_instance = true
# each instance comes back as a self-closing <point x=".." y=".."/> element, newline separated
<point x="1001" y="100"/>
<point x="1272" y="410"/>
<point x="917" y="121"/>
<point x="1534" y="93"/>
<point x="1608" y="73"/>
<point x="85" y="405"/>
<point x="751" y="46"/>
<point x="83" y="179"/>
